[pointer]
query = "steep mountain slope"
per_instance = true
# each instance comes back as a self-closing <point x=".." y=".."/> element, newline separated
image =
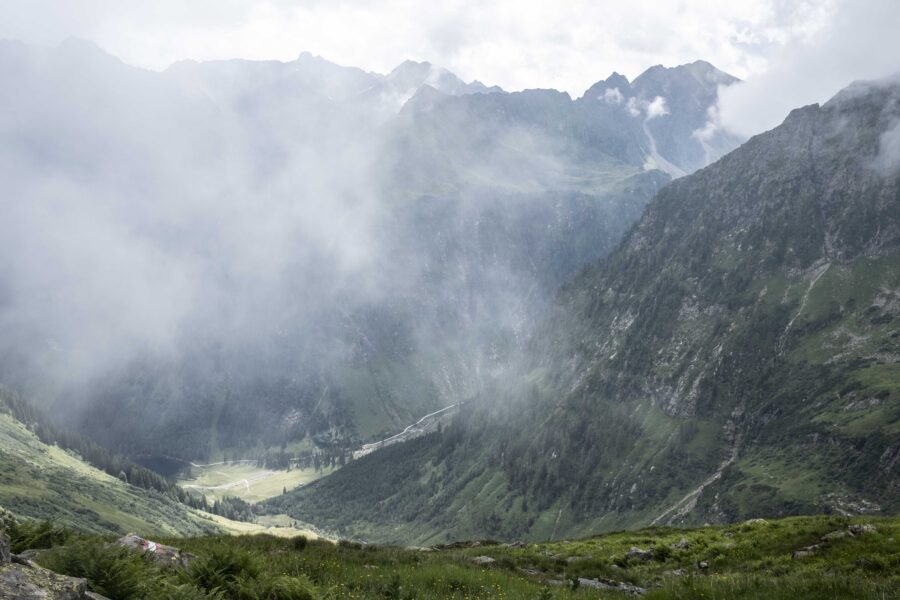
<point x="41" y="481"/>
<point x="239" y="255"/>
<point x="672" y="111"/>
<point x="736" y="356"/>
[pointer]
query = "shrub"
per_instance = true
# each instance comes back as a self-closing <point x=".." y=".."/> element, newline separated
<point x="290" y="588"/>
<point x="186" y="591"/>
<point x="24" y="535"/>
<point x="280" y="587"/>
<point x="661" y="553"/>
<point x="391" y="589"/>
<point x="111" y="571"/>
<point x="222" y="569"/>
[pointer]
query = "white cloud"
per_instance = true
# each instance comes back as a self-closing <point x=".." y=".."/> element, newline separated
<point x="888" y="159"/>
<point x="657" y="108"/>
<point x="613" y="96"/>
<point x="517" y="44"/>
<point x="858" y="41"/>
<point x="633" y="107"/>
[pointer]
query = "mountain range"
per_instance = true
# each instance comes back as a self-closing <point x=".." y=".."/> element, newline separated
<point x="344" y="251"/>
<point x="734" y="357"/>
<point x="625" y="315"/>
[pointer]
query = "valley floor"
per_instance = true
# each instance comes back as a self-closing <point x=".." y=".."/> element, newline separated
<point x="245" y="480"/>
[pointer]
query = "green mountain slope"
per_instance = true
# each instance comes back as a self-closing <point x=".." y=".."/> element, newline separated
<point x="736" y="356"/>
<point x="41" y="481"/>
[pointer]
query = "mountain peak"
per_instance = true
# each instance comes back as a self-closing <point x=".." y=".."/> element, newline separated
<point x="701" y="70"/>
<point x="75" y="47"/>
<point x="410" y="69"/>
<point x="614" y="88"/>
<point x="411" y="75"/>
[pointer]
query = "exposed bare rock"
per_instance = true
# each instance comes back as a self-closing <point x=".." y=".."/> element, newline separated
<point x="30" y="554"/>
<point x="639" y="554"/>
<point x="159" y="552"/>
<point x="808" y="550"/>
<point x="483" y="560"/>
<point x="861" y="529"/>
<point x="681" y="544"/>
<point x="30" y="582"/>
<point x="5" y="556"/>
<point x="612" y="585"/>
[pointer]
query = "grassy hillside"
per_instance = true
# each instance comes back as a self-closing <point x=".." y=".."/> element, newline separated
<point x="44" y="482"/>
<point x="757" y="559"/>
<point x="41" y="481"/>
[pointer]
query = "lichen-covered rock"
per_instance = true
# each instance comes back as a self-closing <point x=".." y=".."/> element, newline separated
<point x="30" y="582"/>
<point x="483" y="560"/>
<point x="5" y="555"/>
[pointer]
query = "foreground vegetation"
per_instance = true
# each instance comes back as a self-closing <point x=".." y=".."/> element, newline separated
<point x="756" y="559"/>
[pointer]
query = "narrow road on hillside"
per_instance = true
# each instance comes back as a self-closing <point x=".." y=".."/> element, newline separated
<point x="224" y="462"/>
<point x="420" y="427"/>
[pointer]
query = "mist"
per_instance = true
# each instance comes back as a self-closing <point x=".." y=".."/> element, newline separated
<point x="230" y="251"/>
<point x="135" y="212"/>
<point x="857" y="42"/>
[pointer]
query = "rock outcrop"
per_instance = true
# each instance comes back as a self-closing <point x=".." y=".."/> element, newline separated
<point x="5" y="555"/>
<point x="21" y="579"/>
<point x="158" y="552"/>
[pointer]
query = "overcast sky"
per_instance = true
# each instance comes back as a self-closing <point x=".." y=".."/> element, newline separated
<point x="567" y="44"/>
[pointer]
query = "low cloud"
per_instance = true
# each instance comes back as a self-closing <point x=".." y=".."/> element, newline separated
<point x="512" y="43"/>
<point x="888" y="159"/>
<point x="858" y="41"/>
<point x="633" y="107"/>
<point x="657" y="108"/>
<point x="613" y="96"/>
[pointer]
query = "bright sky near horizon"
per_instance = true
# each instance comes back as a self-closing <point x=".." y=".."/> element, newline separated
<point x="801" y="50"/>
